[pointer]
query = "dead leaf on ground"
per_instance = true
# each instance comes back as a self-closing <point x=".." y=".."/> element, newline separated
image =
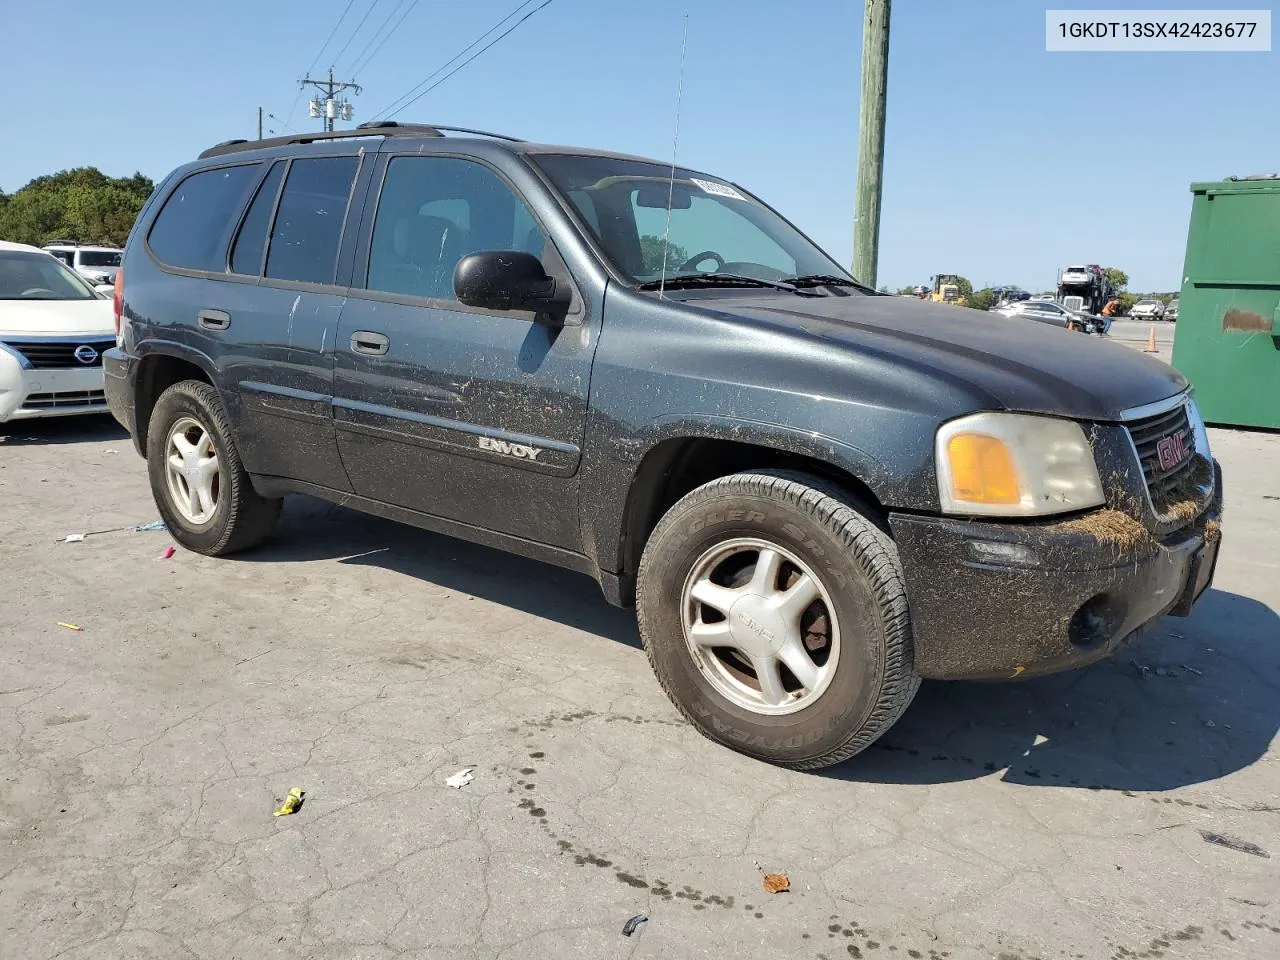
<point x="776" y="883"/>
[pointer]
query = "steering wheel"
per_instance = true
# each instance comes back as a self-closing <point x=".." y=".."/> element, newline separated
<point x="696" y="259"/>
<point x="34" y="290"/>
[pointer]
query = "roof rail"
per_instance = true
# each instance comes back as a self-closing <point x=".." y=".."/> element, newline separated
<point x="373" y="128"/>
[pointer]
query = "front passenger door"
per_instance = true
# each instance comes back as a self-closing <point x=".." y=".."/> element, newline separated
<point x="473" y="415"/>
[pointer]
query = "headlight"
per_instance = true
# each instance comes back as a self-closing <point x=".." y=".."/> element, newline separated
<point x="1015" y="465"/>
<point x="1198" y="430"/>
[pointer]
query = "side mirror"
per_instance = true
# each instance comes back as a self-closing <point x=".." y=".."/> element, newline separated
<point x="509" y="280"/>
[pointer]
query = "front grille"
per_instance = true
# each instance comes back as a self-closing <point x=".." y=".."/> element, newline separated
<point x="1166" y="485"/>
<point x="65" y="398"/>
<point x="59" y="354"/>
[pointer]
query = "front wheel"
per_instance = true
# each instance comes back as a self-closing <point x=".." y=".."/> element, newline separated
<point x="774" y="613"/>
<point x="198" y="482"/>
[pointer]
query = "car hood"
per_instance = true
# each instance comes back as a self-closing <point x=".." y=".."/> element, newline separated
<point x="53" y="318"/>
<point x="1004" y="362"/>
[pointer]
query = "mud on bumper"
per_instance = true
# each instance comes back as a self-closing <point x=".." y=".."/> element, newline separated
<point x="998" y="601"/>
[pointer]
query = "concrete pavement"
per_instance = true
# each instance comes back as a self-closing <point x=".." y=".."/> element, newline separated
<point x="141" y="759"/>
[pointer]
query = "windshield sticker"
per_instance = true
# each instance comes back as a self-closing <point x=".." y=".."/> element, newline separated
<point x="717" y="189"/>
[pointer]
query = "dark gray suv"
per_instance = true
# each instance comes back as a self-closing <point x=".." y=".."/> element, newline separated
<point x="813" y="494"/>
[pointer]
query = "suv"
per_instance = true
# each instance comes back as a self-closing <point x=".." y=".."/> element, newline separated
<point x="96" y="264"/>
<point x="813" y="494"/>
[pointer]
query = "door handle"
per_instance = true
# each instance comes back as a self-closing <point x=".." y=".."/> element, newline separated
<point x="214" y="319"/>
<point x="369" y="343"/>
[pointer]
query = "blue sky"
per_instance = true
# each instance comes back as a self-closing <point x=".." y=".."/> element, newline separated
<point x="1003" y="162"/>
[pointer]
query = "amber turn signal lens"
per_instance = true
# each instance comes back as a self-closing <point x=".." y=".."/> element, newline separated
<point x="982" y="470"/>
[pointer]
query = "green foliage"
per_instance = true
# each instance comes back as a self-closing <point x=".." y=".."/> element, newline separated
<point x="651" y="251"/>
<point x="907" y="291"/>
<point x="983" y="299"/>
<point x="1116" y="277"/>
<point x="83" y="204"/>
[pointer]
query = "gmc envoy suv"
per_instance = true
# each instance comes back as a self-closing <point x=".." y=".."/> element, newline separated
<point x="814" y="495"/>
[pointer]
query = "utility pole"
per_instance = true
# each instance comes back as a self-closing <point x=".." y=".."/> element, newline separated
<point x="259" y="123"/>
<point x="329" y="106"/>
<point x="875" y="68"/>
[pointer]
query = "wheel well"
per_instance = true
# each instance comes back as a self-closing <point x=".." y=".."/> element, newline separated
<point x="156" y="374"/>
<point x="675" y="467"/>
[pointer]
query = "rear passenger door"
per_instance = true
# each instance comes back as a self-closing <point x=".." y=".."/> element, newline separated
<point x="472" y="415"/>
<point x="278" y="342"/>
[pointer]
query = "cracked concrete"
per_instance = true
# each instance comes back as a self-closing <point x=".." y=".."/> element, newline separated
<point x="141" y="759"/>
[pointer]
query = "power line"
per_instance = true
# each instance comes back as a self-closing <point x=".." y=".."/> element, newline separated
<point x="356" y="31"/>
<point x="387" y="111"/>
<point x="281" y="122"/>
<point x="362" y="61"/>
<point x="319" y="53"/>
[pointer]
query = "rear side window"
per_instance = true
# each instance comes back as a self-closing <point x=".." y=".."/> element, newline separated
<point x="251" y="245"/>
<point x="308" y="226"/>
<point x="191" y="230"/>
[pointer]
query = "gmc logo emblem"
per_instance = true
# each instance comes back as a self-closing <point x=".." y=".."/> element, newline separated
<point x="1172" y="450"/>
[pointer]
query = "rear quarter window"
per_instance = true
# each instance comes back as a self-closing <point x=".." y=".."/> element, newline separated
<point x="191" y="231"/>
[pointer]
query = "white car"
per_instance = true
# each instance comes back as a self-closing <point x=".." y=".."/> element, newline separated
<point x="98" y="265"/>
<point x="54" y="328"/>
<point x="1147" y="310"/>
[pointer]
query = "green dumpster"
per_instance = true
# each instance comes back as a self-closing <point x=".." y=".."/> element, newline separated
<point x="1228" y="340"/>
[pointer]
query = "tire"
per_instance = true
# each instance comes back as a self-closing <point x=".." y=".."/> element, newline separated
<point x="820" y="530"/>
<point x="238" y="518"/>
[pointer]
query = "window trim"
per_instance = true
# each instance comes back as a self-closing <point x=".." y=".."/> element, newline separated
<point x="191" y="271"/>
<point x="271" y="219"/>
<point x="364" y="250"/>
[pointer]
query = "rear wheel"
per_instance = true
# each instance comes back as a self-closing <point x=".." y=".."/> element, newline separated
<point x="773" y="611"/>
<point x="198" y="482"/>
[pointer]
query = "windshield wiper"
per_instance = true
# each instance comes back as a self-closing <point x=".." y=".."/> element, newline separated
<point x="686" y="280"/>
<point x="825" y="280"/>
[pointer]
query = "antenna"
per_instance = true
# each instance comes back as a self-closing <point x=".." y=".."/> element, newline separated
<point x="675" y="145"/>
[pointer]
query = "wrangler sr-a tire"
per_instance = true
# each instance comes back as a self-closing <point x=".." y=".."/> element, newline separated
<point x="200" y="486"/>
<point x="774" y="613"/>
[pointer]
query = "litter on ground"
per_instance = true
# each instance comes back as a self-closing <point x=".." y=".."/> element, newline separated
<point x="73" y="538"/>
<point x="168" y="552"/>
<point x="460" y="779"/>
<point x="70" y="626"/>
<point x="154" y="525"/>
<point x="629" y="927"/>
<point x="292" y="803"/>
<point x="776" y="883"/>
<point x="1231" y="843"/>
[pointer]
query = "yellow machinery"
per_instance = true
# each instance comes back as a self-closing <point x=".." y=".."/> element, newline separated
<point x="946" y="289"/>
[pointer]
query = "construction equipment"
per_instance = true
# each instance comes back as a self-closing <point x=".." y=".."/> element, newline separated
<point x="946" y="289"/>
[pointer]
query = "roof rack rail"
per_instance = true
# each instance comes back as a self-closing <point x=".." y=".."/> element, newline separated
<point x="372" y="128"/>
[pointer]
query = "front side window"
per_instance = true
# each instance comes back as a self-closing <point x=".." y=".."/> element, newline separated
<point x="714" y="227"/>
<point x="66" y="256"/>
<point x="34" y="276"/>
<point x="433" y="211"/>
<point x="309" y="220"/>
<point x="191" y="229"/>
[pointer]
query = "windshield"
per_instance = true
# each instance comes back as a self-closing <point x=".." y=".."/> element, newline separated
<point x="37" y="276"/>
<point x="99" y="258"/>
<point x="715" y="228"/>
<point x="1146" y="303"/>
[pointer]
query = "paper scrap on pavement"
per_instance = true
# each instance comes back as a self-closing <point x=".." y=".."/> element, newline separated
<point x="73" y="538"/>
<point x="460" y="779"/>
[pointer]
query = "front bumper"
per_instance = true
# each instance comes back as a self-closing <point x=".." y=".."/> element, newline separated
<point x="1047" y="596"/>
<point x="26" y="393"/>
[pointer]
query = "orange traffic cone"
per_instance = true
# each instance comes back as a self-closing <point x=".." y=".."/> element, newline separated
<point x="1151" y="342"/>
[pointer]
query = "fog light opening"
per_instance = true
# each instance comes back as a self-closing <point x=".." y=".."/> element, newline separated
<point x="1091" y="625"/>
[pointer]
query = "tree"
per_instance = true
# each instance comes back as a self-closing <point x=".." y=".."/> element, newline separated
<point x="83" y="204"/>
<point x="651" y="251"/>
<point x="1124" y="303"/>
<point x="1116" y="277"/>
<point x="983" y="299"/>
<point x="907" y="291"/>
